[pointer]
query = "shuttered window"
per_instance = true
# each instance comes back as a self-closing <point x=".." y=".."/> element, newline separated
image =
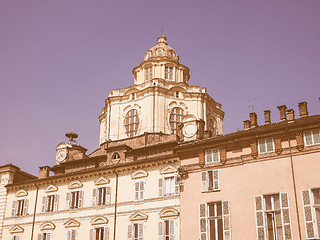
<point x="45" y="236"/>
<point x="273" y="217"/>
<point x="312" y="137"/>
<point x="167" y="229"/>
<point x="20" y="207"/>
<point x="101" y="196"/>
<point x="210" y="181"/>
<point x="50" y="203"/>
<point x="266" y="145"/>
<point x="139" y="188"/>
<point x="212" y="156"/>
<point x="135" y="231"/>
<point x="311" y="206"/>
<point x="169" y="186"/>
<point x="74" y="199"/>
<point x="214" y="220"/>
<point x="99" y="233"/>
<point x="72" y="234"/>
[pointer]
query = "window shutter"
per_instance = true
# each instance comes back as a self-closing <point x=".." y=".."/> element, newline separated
<point x="69" y="233"/>
<point x="308" y="216"/>
<point x="136" y="191"/>
<point x="140" y="230"/>
<point x="204" y="182"/>
<point x="73" y="234"/>
<point x="106" y="233"/>
<point x="94" y="197"/>
<point x="171" y="229"/>
<point x="316" y="137"/>
<point x="176" y="185"/>
<point x="39" y="236"/>
<point x="80" y="199"/>
<point x="108" y="190"/>
<point x="92" y="234"/>
<point x="68" y="200"/>
<point x="208" y="156"/>
<point x="44" y="204"/>
<point x="216" y="155"/>
<point x="161" y="230"/>
<point x="216" y="180"/>
<point x="259" y="218"/>
<point x="203" y="221"/>
<point x="226" y="220"/>
<point x="56" y="202"/>
<point x="308" y="138"/>
<point x="48" y="236"/>
<point x="25" y="206"/>
<point x="14" y="208"/>
<point x="142" y="190"/>
<point x="130" y="229"/>
<point x="160" y="187"/>
<point x="285" y="212"/>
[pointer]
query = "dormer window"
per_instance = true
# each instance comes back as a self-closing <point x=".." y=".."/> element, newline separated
<point x="116" y="156"/>
<point x="148" y="73"/>
<point x="168" y="73"/>
<point x="133" y="96"/>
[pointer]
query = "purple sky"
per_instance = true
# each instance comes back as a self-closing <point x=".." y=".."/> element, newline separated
<point x="60" y="58"/>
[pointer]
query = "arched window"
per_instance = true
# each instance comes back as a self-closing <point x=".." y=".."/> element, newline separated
<point x="148" y="73"/>
<point x="116" y="156"/>
<point x="131" y="122"/>
<point x="176" y="118"/>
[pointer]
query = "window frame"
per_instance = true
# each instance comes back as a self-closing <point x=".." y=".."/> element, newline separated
<point x="264" y="142"/>
<point x="148" y="71"/>
<point x="168" y="73"/>
<point x="139" y="193"/>
<point x="131" y="122"/>
<point x="176" y="118"/>
<point x="214" y="154"/>
<point x="312" y="135"/>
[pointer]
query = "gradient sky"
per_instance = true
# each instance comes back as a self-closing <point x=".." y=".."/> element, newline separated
<point x="60" y="58"/>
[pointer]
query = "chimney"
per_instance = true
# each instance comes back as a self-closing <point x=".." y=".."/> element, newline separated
<point x="290" y="115"/>
<point x="253" y="119"/>
<point x="303" y="110"/>
<point x="267" y="117"/>
<point x="246" y="124"/>
<point x="282" y="110"/>
<point x="44" y="172"/>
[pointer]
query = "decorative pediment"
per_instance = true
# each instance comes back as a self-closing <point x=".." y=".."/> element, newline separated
<point x="139" y="174"/>
<point x="75" y="184"/>
<point x="168" y="170"/>
<point x="168" y="212"/>
<point x="47" y="226"/>
<point x="71" y="223"/>
<point x="138" y="216"/>
<point x="174" y="104"/>
<point x="99" y="221"/>
<point x="16" y="229"/>
<point x="101" y="181"/>
<point x="51" y="188"/>
<point x="21" y="193"/>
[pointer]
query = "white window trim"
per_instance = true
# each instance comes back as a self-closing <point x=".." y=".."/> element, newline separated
<point x="215" y="179"/>
<point x="312" y="133"/>
<point x="212" y="152"/>
<point x="264" y="141"/>
<point x="139" y="191"/>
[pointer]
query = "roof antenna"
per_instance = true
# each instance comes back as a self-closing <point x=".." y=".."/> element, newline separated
<point x="161" y="31"/>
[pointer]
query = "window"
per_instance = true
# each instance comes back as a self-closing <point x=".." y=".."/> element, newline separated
<point x="167" y="230"/>
<point x="273" y="217"/>
<point x="16" y="237"/>
<point x="20" y="207"/>
<point x="212" y="156"/>
<point x="99" y="233"/>
<point x="169" y="186"/>
<point x="266" y="146"/>
<point x="135" y="231"/>
<point x="116" y="156"/>
<point x="72" y="234"/>
<point x="133" y="96"/>
<point x="215" y="221"/>
<point x="312" y="137"/>
<point x="168" y="73"/>
<point x="45" y="236"/>
<point x="139" y="190"/>
<point x="210" y="181"/>
<point x="101" y="196"/>
<point x="131" y="122"/>
<point x="50" y="203"/>
<point x="176" y="94"/>
<point x="148" y="73"/>
<point x="311" y="203"/>
<point x="176" y="117"/>
<point x="74" y="199"/>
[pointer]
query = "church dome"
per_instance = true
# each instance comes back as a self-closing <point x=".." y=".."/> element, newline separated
<point x="161" y="50"/>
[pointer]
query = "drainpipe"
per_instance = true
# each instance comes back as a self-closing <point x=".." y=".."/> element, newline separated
<point x="115" y="206"/>
<point x="34" y="212"/>
<point x="293" y="181"/>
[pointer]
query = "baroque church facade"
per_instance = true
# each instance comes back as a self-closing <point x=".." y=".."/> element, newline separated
<point x="165" y="170"/>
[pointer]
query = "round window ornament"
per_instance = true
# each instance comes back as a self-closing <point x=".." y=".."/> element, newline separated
<point x="189" y="130"/>
<point x="61" y="155"/>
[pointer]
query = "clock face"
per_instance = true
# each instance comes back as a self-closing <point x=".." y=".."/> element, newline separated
<point x="190" y="130"/>
<point x="61" y="155"/>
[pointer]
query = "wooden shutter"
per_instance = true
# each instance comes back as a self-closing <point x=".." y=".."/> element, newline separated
<point x="161" y="226"/>
<point x="171" y="229"/>
<point x="73" y="234"/>
<point x="204" y="182"/>
<point x="308" y="216"/>
<point x="226" y="220"/>
<point x="39" y="236"/>
<point x="259" y="218"/>
<point x="136" y="190"/>
<point x="94" y="197"/>
<point x="130" y="232"/>
<point x="140" y="230"/>
<point x="285" y="213"/>
<point x="48" y="236"/>
<point x="108" y="196"/>
<point x="44" y="204"/>
<point x="68" y="202"/>
<point x="203" y="221"/>
<point x="56" y="202"/>
<point x="14" y="208"/>
<point x="92" y="234"/>
<point x="176" y="185"/>
<point x="80" y="199"/>
<point x="25" y="206"/>
<point x="69" y="233"/>
<point x="106" y="233"/>
<point x="161" y="187"/>
<point x="216" y="180"/>
<point x="142" y="190"/>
